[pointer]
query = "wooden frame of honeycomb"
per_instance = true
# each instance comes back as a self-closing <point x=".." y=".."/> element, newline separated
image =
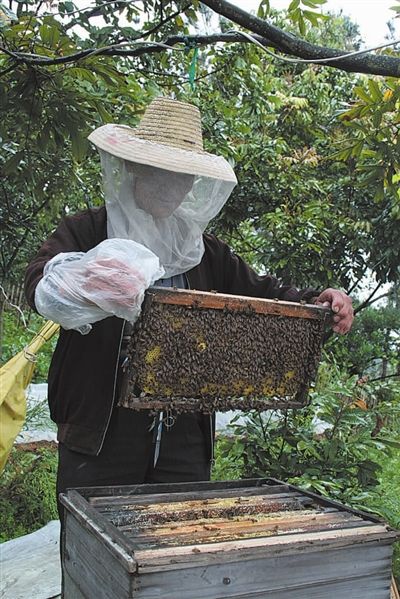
<point x="206" y="351"/>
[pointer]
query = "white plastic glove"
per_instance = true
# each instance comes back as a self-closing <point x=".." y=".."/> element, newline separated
<point x="110" y="280"/>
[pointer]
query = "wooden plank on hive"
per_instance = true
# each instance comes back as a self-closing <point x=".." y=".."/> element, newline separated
<point x="221" y="530"/>
<point x="277" y="573"/>
<point x="100" y="528"/>
<point x="120" y="500"/>
<point x="212" y="508"/>
<point x="331" y="538"/>
<point x="180" y="500"/>
<point x="185" y="504"/>
<point x="369" y="587"/>
<point x="71" y="587"/>
<point x="183" y="487"/>
<point x="274" y="520"/>
<point x="90" y="563"/>
<point x="325" y="501"/>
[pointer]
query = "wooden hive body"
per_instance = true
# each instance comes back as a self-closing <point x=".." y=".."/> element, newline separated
<point x="242" y="539"/>
<point x="195" y="351"/>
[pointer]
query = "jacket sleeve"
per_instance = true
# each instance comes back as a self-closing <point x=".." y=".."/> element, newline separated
<point x="240" y="279"/>
<point x="77" y="233"/>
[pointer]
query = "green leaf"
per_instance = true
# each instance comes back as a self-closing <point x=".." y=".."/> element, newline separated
<point x="293" y="5"/>
<point x="357" y="149"/>
<point x="263" y="9"/>
<point x="361" y="93"/>
<point x="50" y="35"/>
<point x="374" y="90"/>
<point x="312" y="17"/>
<point x="313" y="3"/>
<point x="81" y="73"/>
<point x="66" y="7"/>
<point x="108" y="73"/>
<point x="44" y="33"/>
<point x="302" y="25"/>
<point x="105" y="116"/>
<point x="179" y="21"/>
<point x="69" y="7"/>
<point x="79" y="145"/>
<point x="377" y="119"/>
<point x="396" y="178"/>
<point x="344" y="154"/>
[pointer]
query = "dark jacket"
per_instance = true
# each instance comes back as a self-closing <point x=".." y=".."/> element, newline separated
<point x="83" y="371"/>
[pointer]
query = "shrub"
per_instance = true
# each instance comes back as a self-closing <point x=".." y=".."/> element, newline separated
<point x="27" y="493"/>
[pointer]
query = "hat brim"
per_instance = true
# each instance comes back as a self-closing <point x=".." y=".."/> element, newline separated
<point x="120" y="141"/>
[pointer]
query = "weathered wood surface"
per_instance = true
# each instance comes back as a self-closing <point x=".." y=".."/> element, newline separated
<point x="217" y="493"/>
<point x="221" y="301"/>
<point x="195" y="490"/>
<point x="71" y="588"/>
<point x="326" y="502"/>
<point x="218" y="530"/>
<point x="104" y="533"/>
<point x="95" y="569"/>
<point x="272" y="544"/>
<point x="167" y="488"/>
<point x="172" y="549"/>
<point x="31" y="578"/>
<point x="149" y="514"/>
<point x="359" y="572"/>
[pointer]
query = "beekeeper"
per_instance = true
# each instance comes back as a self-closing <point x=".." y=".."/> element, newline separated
<point x="161" y="190"/>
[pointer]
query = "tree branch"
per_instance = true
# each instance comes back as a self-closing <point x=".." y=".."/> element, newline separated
<point x="376" y="299"/>
<point x="380" y="378"/>
<point x="290" y="44"/>
<point x="266" y="34"/>
<point x="114" y="50"/>
<point x="368" y="301"/>
<point x="164" y="21"/>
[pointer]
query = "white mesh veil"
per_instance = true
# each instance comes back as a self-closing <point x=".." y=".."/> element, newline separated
<point x="176" y="238"/>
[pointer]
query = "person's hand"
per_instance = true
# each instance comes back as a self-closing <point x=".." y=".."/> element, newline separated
<point x="114" y="281"/>
<point x="340" y="303"/>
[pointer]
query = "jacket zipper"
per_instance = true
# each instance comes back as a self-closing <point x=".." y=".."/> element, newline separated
<point x="114" y="389"/>
<point x="212" y="460"/>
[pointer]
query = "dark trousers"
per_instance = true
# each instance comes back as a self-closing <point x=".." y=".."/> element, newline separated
<point x="128" y="453"/>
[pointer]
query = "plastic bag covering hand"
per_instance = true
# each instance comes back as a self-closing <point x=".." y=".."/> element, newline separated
<point x="80" y="288"/>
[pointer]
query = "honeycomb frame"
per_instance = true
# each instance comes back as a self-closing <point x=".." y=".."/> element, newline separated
<point x="205" y="351"/>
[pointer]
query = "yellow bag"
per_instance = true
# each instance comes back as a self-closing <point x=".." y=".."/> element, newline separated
<point x="15" y="376"/>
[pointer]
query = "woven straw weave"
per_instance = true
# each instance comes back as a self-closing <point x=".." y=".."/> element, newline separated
<point x="172" y="123"/>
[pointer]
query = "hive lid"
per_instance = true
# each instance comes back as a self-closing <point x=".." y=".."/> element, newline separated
<point x="195" y="350"/>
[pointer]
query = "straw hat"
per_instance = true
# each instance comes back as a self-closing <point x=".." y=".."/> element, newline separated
<point x="168" y="137"/>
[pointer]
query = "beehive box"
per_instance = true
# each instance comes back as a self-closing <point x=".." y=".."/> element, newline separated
<point x="244" y="539"/>
<point x="194" y="350"/>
